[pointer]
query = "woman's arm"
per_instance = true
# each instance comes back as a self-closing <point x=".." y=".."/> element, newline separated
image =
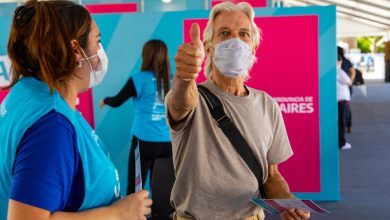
<point x="43" y="172"/>
<point x="126" y="92"/>
<point x="352" y="74"/>
<point x="134" y="206"/>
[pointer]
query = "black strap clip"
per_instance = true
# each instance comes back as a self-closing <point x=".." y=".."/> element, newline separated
<point x="223" y="121"/>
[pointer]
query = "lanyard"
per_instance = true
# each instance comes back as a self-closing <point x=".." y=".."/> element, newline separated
<point x="138" y="176"/>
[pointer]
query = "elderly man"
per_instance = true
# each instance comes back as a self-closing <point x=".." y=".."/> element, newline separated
<point x="213" y="181"/>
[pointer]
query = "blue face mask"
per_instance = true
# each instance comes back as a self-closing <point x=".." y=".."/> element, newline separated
<point x="233" y="57"/>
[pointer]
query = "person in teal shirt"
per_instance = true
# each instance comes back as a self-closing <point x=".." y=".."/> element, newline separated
<point x="52" y="163"/>
<point x="148" y="89"/>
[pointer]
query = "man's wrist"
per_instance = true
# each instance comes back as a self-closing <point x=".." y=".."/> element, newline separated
<point x="179" y="99"/>
<point x="181" y="79"/>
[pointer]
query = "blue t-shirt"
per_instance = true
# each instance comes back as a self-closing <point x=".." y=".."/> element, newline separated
<point x="149" y="119"/>
<point x="48" y="171"/>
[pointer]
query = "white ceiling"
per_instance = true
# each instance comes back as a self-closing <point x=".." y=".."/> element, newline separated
<point x="356" y="17"/>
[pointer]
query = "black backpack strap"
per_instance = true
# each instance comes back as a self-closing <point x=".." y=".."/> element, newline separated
<point x="233" y="134"/>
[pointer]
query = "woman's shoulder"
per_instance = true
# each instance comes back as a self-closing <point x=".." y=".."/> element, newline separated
<point x="142" y="75"/>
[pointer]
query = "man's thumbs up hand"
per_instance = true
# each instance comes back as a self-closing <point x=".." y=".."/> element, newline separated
<point x="190" y="56"/>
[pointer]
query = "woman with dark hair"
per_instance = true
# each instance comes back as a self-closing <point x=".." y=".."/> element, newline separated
<point x="52" y="163"/>
<point x="348" y="68"/>
<point x="343" y="99"/>
<point x="148" y="88"/>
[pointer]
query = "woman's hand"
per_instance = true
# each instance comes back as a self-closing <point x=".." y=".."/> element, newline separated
<point x="101" y="103"/>
<point x="134" y="206"/>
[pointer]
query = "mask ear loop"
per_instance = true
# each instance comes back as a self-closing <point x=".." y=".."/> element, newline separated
<point x="87" y="59"/>
<point x="75" y="45"/>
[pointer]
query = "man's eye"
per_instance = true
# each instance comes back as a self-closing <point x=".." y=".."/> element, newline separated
<point x="245" y="34"/>
<point x="224" y="33"/>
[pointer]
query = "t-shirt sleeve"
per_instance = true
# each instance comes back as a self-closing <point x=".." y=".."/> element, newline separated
<point x="280" y="149"/>
<point x="127" y="91"/>
<point x="348" y="64"/>
<point x="45" y="163"/>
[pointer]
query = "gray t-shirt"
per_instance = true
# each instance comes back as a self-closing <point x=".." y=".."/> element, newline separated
<point x="212" y="180"/>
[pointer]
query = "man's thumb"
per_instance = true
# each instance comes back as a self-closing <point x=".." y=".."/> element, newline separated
<point x="195" y="35"/>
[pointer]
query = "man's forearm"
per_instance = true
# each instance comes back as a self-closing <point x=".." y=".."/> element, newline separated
<point x="276" y="186"/>
<point x="183" y="98"/>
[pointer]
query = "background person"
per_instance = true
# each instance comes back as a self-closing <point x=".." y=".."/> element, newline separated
<point x="348" y="68"/>
<point x="343" y="98"/>
<point x="148" y="88"/>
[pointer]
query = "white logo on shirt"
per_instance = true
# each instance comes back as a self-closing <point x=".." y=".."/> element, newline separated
<point x="117" y="188"/>
<point x="5" y="66"/>
<point x="157" y="115"/>
<point x="3" y="110"/>
<point x="95" y="137"/>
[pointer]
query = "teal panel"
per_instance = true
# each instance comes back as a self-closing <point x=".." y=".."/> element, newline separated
<point x="114" y="125"/>
<point x="123" y="36"/>
<point x="5" y="27"/>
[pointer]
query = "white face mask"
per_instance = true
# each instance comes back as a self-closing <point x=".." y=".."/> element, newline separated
<point x="97" y="76"/>
<point x="233" y="57"/>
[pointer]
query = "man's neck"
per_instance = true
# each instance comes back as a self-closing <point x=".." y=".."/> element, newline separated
<point x="234" y="86"/>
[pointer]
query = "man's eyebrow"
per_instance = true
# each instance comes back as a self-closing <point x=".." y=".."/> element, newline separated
<point x="223" y="28"/>
<point x="244" y="29"/>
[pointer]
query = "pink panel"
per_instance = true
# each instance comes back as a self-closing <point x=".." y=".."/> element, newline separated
<point x="254" y="3"/>
<point x="287" y="69"/>
<point x="85" y="106"/>
<point x="112" y="8"/>
<point x="3" y="94"/>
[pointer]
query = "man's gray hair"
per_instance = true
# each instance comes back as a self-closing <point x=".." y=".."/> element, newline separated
<point x="209" y="30"/>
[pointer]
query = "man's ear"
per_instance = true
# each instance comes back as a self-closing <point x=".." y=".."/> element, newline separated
<point x="207" y="47"/>
<point x="76" y="49"/>
<point x="254" y="49"/>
